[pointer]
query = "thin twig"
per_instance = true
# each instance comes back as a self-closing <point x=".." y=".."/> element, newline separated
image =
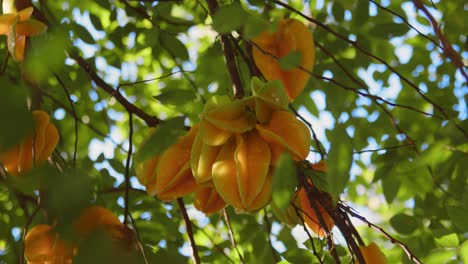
<point x="387" y="148"/>
<point x="408" y="252"/>
<point x="188" y="226"/>
<point x="137" y="233"/>
<point x="407" y="23"/>
<point x="75" y="150"/>
<point x="231" y="235"/>
<point x="321" y="221"/>
<point x="229" y="56"/>
<point x="268" y="228"/>
<point x="88" y="125"/>
<point x="25" y="229"/>
<point x="314" y="250"/>
<point x="131" y="108"/>
<point x="365" y="87"/>
<point x="127" y="165"/>
<point x="318" y="144"/>
<point x="5" y="63"/>
<point x="366" y="52"/>
<point x="152" y="79"/>
<point x="448" y="49"/>
<point x="216" y="246"/>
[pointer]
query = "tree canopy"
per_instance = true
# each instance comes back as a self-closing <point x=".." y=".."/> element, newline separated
<point x="96" y="93"/>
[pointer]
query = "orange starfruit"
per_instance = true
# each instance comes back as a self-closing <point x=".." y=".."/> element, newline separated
<point x="310" y="215"/>
<point x="43" y="245"/>
<point x="372" y="254"/>
<point x="35" y="149"/>
<point x="169" y="175"/>
<point x="241" y="172"/>
<point x="18" y="26"/>
<point x="208" y="200"/>
<point x="284" y="132"/>
<point x="291" y="35"/>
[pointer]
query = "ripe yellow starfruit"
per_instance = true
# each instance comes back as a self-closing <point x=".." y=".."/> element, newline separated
<point x="43" y="245"/>
<point x="202" y="158"/>
<point x="94" y="218"/>
<point x="372" y="254"/>
<point x="208" y="200"/>
<point x="18" y="26"/>
<point x="284" y="132"/>
<point x="222" y="118"/>
<point x="241" y="172"/>
<point x="169" y="175"/>
<point x="291" y="35"/>
<point x="35" y="149"/>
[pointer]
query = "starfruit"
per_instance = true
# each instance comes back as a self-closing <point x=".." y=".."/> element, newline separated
<point x="18" y="26"/>
<point x="269" y="97"/>
<point x="310" y="216"/>
<point x="291" y="35"/>
<point x="285" y="133"/>
<point x="94" y="218"/>
<point x="241" y="173"/>
<point x="221" y="118"/>
<point x="43" y="245"/>
<point x="208" y="200"/>
<point x="202" y="158"/>
<point x="372" y="254"/>
<point x="169" y="175"/>
<point x="35" y="149"/>
<point x="97" y="224"/>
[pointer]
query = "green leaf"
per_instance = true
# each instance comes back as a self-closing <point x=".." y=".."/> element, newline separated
<point x="174" y="46"/>
<point x="96" y="22"/>
<point x="175" y="97"/>
<point x="464" y="252"/>
<point x="450" y="240"/>
<point x="163" y="137"/>
<point x="284" y="181"/>
<point x="361" y="13"/>
<point x="338" y="11"/>
<point x="299" y="255"/>
<point x="340" y="159"/>
<point x="253" y="26"/>
<point x="229" y="18"/>
<point x="319" y="179"/>
<point x="82" y="33"/>
<point x="290" y="60"/>
<point x="15" y="118"/>
<point x="458" y="215"/>
<point x="391" y="184"/>
<point x="404" y="224"/>
<point x="391" y="30"/>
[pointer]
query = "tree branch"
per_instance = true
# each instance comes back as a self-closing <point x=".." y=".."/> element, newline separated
<point x="231" y="235"/>
<point x="127" y="165"/>
<point x="229" y="56"/>
<point x="131" y="108"/>
<point x="447" y="50"/>
<point x="188" y="225"/>
<point x="408" y="252"/>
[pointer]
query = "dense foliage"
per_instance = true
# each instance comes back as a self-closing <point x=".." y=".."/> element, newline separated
<point x="386" y="105"/>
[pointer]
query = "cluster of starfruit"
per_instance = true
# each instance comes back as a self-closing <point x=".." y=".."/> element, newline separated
<point x="35" y="149"/>
<point x="228" y="158"/>
<point x="43" y="244"/>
